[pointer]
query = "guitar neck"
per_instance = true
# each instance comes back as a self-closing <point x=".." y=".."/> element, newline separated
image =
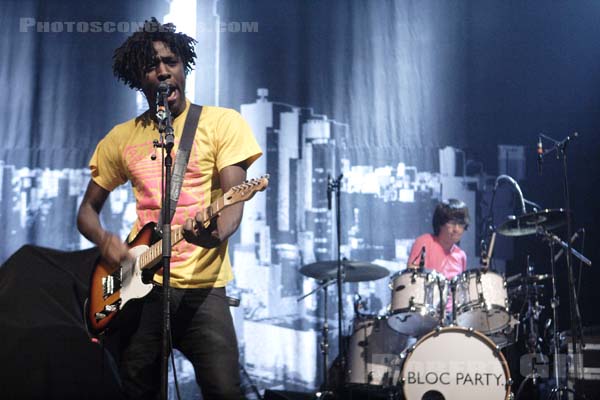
<point x="151" y="256"/>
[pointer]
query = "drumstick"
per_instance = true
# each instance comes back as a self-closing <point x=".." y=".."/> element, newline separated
<point x="492" y="241"/>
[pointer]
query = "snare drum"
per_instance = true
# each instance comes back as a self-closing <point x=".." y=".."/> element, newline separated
<point x="418" y="299"/>
<point x="455" y="363"/>
<point x="482" y="301"/>
<point x="374" y="352"/>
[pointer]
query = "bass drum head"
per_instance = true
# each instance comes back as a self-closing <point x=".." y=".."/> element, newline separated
<point x="458" y="364"/>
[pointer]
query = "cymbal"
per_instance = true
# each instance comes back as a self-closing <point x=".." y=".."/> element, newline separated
<point x="519" y="279"/>
<point x="527" y="224"/>
<point x="354" y="271"/>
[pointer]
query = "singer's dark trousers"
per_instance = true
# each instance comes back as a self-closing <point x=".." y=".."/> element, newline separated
<point x="202" y="329"/>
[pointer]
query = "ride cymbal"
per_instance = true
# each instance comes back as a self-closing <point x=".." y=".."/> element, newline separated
<point x="528" y="224"/>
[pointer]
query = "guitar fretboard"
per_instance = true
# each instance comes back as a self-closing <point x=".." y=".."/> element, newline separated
<point x="154" y="253"/>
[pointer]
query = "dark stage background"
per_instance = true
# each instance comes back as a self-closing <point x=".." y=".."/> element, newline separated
<point x="397" y="80"/>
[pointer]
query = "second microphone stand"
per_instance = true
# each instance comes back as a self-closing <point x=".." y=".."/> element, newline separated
<point x="560" y="147"/>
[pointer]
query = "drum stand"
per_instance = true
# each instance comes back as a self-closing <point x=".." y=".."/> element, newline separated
<point x="452" y="285"/>
<point x="532" y="316"/>
<point x="558" y="391"/>
<point x="326" y="394"/>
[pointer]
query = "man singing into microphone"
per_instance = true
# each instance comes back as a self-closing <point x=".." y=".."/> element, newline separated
<point x="223" y="148"/>
<point x="441" y="252"/>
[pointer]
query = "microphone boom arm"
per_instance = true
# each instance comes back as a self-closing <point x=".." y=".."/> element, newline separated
<point x="516" y="186"/>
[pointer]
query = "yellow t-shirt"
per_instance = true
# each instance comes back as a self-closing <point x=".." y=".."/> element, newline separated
<point x="223" y="138"/>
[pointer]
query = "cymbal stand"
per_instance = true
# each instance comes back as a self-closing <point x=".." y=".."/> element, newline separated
<point x="324" y="345"/>
<point x="533" y="313"/>
<point x="334" y="186"/>
<point x="532" y="317"/>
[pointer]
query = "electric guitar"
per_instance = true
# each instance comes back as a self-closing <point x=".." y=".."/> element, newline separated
<point x="112" y="287"/>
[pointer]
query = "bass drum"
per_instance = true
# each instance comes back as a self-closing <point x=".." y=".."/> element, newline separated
<point x="455" y="364"/>
<point x="374" y="352"/>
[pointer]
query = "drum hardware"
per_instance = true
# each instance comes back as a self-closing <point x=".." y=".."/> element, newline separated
<point x="532" y="338"/>
<point x="442" y="309"/>
<point x="326" y="273"/>
<point x="338" y="272"/>
<point x="558" y="391"/>
<point x="453" y="283"/>
<point x="324" y="344"/>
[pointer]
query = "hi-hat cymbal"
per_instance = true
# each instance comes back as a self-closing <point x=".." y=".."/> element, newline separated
<point x="354" y="271"/>
<point x="528" y="224"/>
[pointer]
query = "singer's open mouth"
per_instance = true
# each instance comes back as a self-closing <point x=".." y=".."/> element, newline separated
<point x="172" y="95"/>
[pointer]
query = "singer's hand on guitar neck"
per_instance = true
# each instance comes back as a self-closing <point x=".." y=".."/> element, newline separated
<point x="226" y="222"/>
<point x="195" y="232"/>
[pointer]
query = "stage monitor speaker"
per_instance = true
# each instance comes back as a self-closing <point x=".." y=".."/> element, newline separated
<point x="286" y="395"/>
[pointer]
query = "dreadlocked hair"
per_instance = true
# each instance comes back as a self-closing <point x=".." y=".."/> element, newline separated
<point x="131" y="60"/>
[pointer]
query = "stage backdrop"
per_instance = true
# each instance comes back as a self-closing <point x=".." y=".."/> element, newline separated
<point x="409" y="102"/>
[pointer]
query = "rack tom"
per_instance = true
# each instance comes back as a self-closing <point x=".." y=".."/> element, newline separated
<point x="418" y="301"/>
<point x="482" y="301"/>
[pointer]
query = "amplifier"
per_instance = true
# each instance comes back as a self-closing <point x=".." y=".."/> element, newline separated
<point x="586" y="380"/>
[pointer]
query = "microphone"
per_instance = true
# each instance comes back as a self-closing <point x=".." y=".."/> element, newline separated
<point x="329" y="190"/>
<point x="483" y="248"/>
<point x="163" y="88"/>
<point x="422" y="259"/>
<point x="358" y="305"/>
<point x="162" y="92"/>
<point x="540" y="155"/>
<point x="487" y="251"/>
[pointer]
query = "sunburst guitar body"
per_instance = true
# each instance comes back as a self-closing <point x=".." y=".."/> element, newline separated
<point x="112" y="287"/>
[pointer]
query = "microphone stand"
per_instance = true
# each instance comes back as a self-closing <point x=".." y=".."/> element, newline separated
<point x="576" y="329"/>
<point x="517" y="188"/>
<point x="165" y="127"/>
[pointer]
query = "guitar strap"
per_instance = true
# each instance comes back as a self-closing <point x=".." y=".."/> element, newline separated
<point x="182" y="157"/>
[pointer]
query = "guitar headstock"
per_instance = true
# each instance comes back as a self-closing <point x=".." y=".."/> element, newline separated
<point x="246" y="190"/>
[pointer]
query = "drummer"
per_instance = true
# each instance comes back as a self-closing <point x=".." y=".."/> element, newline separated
<point x="439" y="251"/>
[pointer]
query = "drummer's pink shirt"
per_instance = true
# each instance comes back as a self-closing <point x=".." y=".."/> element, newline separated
<point x="448" y="264"/>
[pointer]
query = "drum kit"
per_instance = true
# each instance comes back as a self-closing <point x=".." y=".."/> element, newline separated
<point x="441" y="338"/>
